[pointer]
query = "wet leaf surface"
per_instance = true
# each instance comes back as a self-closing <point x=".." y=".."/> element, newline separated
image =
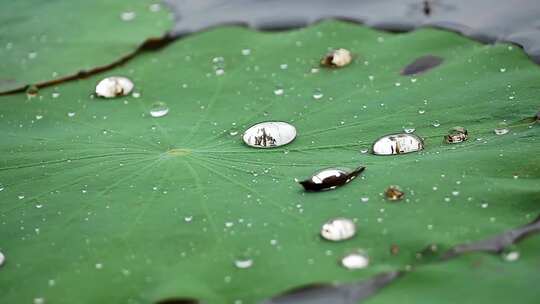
<point x="41" y="41"/>
<point x="138" y="208"/>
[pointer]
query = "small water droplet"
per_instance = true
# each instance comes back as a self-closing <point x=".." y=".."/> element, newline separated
<point x="188" y="219"/>
<point x="55" y="95"/>
<point x="330" y="178"/>
<point x="283" y="66"/>
<point x="397" y="144"/>
<point x="99" y="266"/>
<point x="246" y="52"/>
<point x="136" y="95"/>
<point x="317" y="94"/>
<point x="337" y="58"/>
<point x="278" y="91"/>
<point x="270" y="134"/>
<point x="159" y="109"/>
<point x="409" y="130"/>
<point x="39" y="117"/>
<point x="364" y="199"/>
<point x="71" y="114"/>
<point x="39" y="206"/>
<point x="155" y="7"/>
<point x="502" y="70"/>
<point x="455" y="193"/>
<point x="243" y="263"/>
<point x="436" y="124"/>
<point x="338" y="229"/>
<point x="421" y="111"/>
<point x="393" y="193"/>
<point x="220" y="71"/>
<point x="233" y="133"/>
<point x="484" y="205"/>
<point x="314" y="70"/>
<point x="20" y="197"/>
<point x="114" y="86"/>
<point x="501" y="131"/>
<point x="456" y="135"/>
<point x="2" y="259"/>
<point x="39" y="301"/>
<point x="355" y="260"/>
<point x="127" y="16"/>
<point x="364" y="150"/>
<point x="510" y="256"/>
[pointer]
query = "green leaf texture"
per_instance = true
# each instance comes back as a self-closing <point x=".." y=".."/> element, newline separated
<point x="102" y="203"/>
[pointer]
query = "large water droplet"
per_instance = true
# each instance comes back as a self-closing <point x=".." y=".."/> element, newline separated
<point x="337" y="58"/>
<point x="456" y="135"/>
<point x="330" y="178"/>
<point x="338" y="229"/>
<point x="397" y="144"/>
<point x="159" y="109"/>
<point x="114" y="86"/>
<point x="510" y="256"/>
<point x="501" y="131"/>
<point x="243" y="263"/>
<point x="355" y="260"/>
<point x="393" y="193"/>
<point x="270" y="134"/>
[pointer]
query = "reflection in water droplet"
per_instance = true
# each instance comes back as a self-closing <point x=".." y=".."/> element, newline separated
<point x="331" y="178"/>
<point x="397" y="144"/>
<point x="159" y="109"/>
<point x="114" y="86"/>
<point x="337" y="58"/>
<point x="338" y="229"/>
<point x="317" y="94"/>
<point x="243" y="263"/>
<point x="270" y="134"/>
<point x="355" y="260"/>
<point x="393" y="193"/>
<point x="456" y="135"/>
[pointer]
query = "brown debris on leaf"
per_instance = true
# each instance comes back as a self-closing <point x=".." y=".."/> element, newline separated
<point x="337" y="58"/>
<point x="393" y="193"/>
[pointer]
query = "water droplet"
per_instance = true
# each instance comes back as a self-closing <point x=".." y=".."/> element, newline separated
<point x="71" y="114"/>
<point x="114" y="86"/>
<point x="270" y="134"/>
<point x="20" y="197"/>
<point x="397" y="84"/>
<point x="55" y="95"/>
<point x="510" y="256"/>
<point x="283" y="66"/>
<point x="155" y="7"/>
<point x="502" y="70"/>
<point x="337" y="58"/>
<point x="2" y="259"/>
<point x="38" y="117"/>
<point x="409" y="130"/>
<point x="364" y="150"/>
<point x="456" y="135"/>
<point x="246" y="52"/>
<point x="355" y="260"/>
<point x="317" y="94"/>
<point x="484" y="205"/>
<point x="220" y="71"/>
<point x="233" y="133"/>
<point x="32" y="55"/>
<point x="330" y="178"/>
<point x="39" y="206"/>
<point x="314" y="70"/>
<point x="421" y="111"/>
<point x="136" y="95"/>
<point x="501" y="131"/>
<point x="127" y="16"/>
<point x="39" y="301"/>
<point x="243" y="263"/>
<point x="436" y="124"/>
<point x="188" y="219"/>
<point x="99" y="266"/>
<point x="278" y="91"/>
<point x="397" y="144"/>
<point x="218" y="59"/>
<point x="393" y="193"/>
<point x="364" y="199"/>
<point x="338" y="229"/>
<point x="32" y="91"/>
<point x="159" y="109"/>
<point x="422" y="64"/>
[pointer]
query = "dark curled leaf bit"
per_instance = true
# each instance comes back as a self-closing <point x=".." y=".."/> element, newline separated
<point x="331" y="178"/>
<point x="422" y="64"/>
